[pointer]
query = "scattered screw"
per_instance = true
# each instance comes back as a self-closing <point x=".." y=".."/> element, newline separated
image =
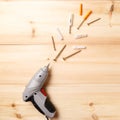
<point x="84" y="18"/>
<point x="64" y="58"/>
<point x="93" y="21"/>
<point x="59" y="53"/>
<point x="53" y="42"/>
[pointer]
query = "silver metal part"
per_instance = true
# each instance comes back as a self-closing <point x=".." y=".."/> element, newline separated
<point x="36" y="83"/>
<point x="35" y="93"/>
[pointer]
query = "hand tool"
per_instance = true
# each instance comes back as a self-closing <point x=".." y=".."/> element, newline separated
<point x="35" y="93"/>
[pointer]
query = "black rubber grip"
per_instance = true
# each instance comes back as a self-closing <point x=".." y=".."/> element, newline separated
<point x="50" y="107"/>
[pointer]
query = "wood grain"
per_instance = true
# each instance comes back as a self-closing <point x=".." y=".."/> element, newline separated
<point x="92" y="76"/>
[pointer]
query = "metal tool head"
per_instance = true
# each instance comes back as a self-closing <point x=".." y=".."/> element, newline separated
<point x="36" y="83"/>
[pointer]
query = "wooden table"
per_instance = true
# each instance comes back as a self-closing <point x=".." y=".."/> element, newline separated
<point x="84" y="85"/>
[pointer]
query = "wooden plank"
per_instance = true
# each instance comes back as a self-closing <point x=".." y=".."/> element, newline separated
<point x="106" y="100"/>
<point x="90" y="77"/>
<point x="96" y="64"/>
<point x="16" y="27"/>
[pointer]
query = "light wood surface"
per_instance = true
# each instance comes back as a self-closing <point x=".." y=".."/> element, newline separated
<point x="84" y="85"/>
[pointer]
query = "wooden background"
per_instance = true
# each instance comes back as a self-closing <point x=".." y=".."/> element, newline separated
<point x="83" y="85"/>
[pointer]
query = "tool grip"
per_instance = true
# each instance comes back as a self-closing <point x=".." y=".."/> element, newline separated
<point x="42" y="104"/>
